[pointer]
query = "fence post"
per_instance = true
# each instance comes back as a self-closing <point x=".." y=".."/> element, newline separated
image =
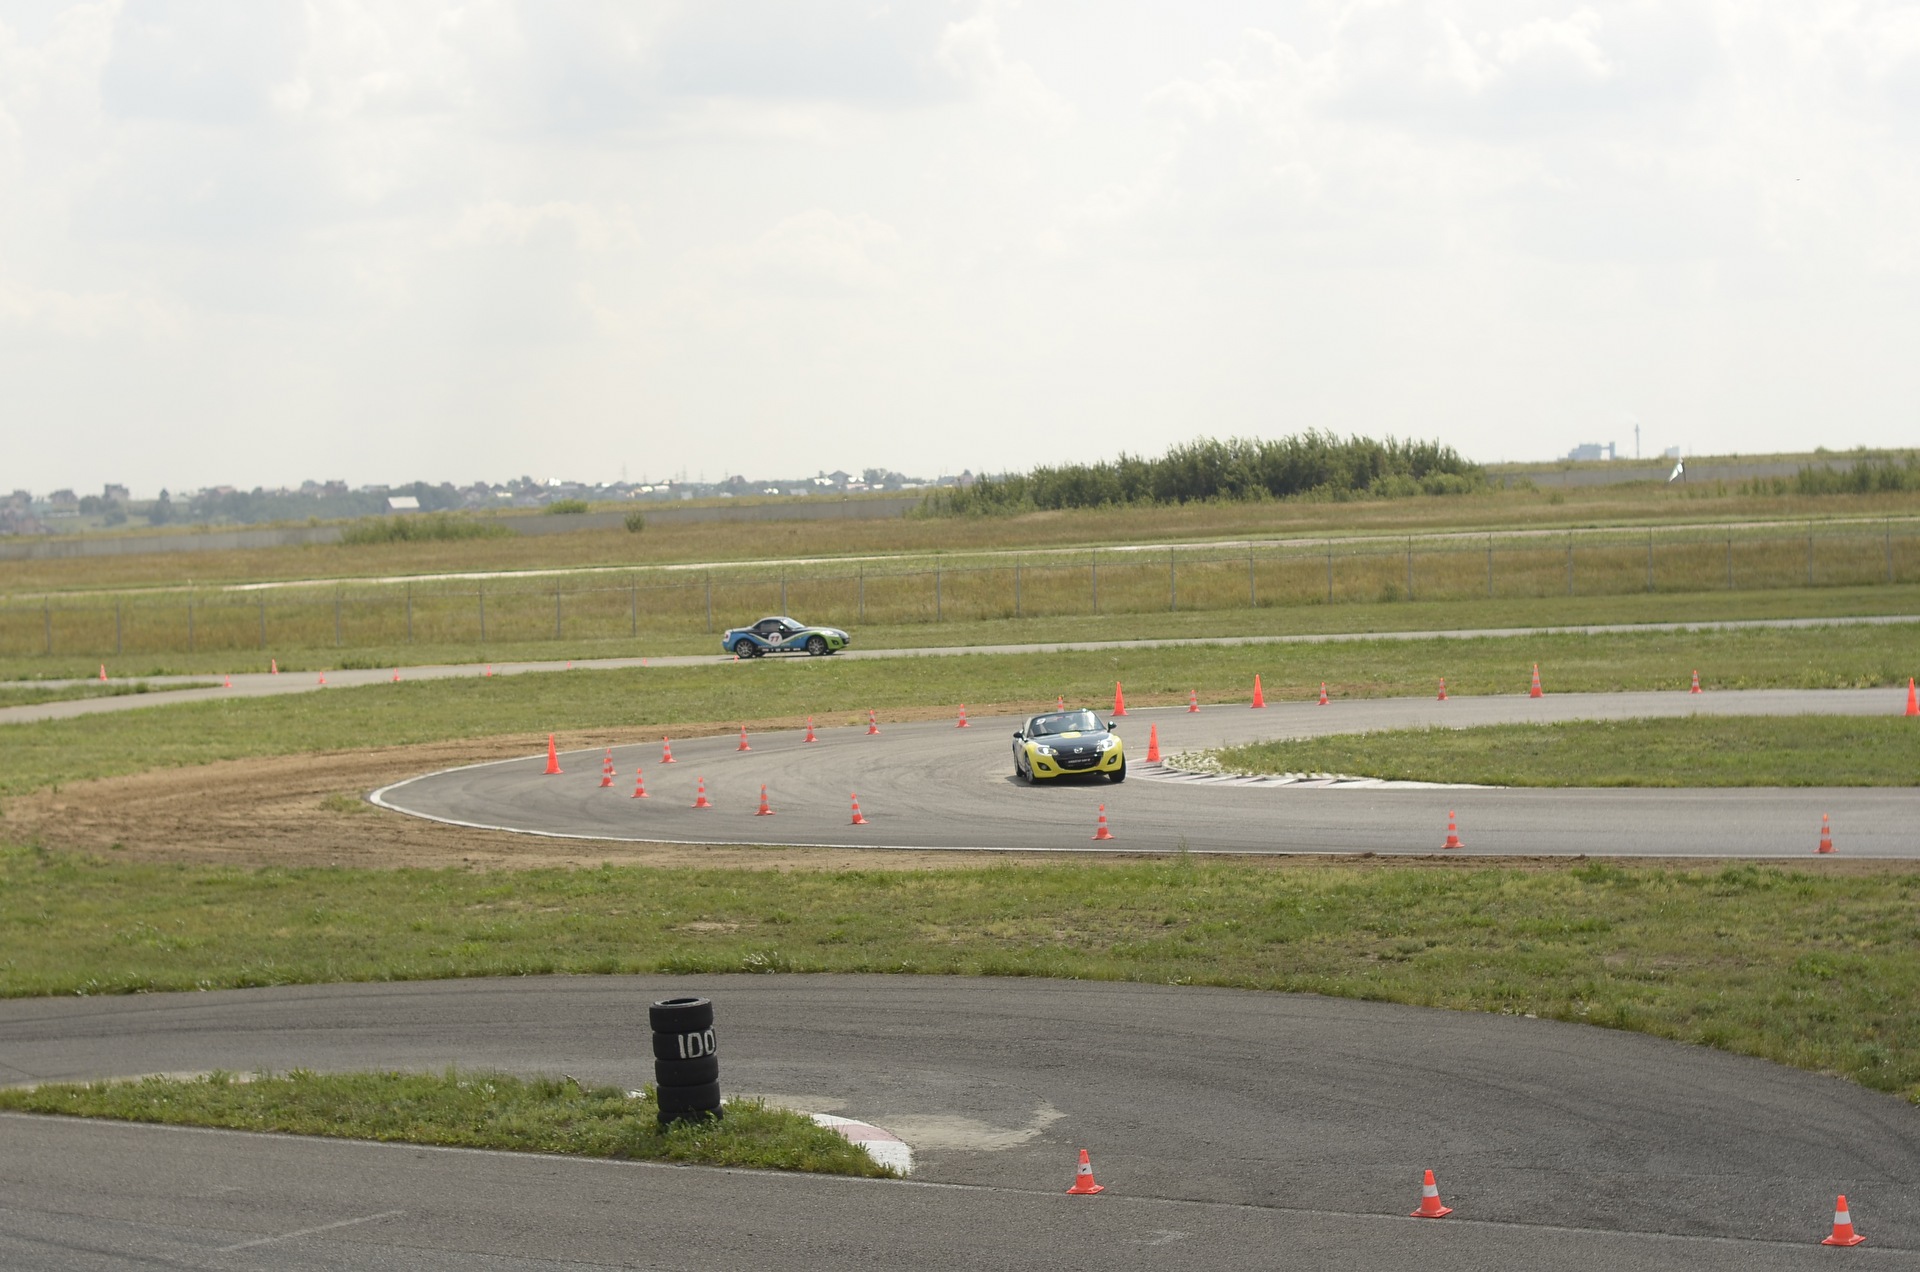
<point x="46" y="613"/>
<point x="1809" y="556"/>
<point x="116" y="625"/>
<point x="1409" y="569"/>
<point x="1173" y="583"/>
<point x="1253" y="596"/>
<point x="633" y="606"/>
<point x="336" y="620"/>
<point x="1329" y="571"/>
<point x="863" y="598"/>
<point x="1096" y="580"/>
<point x="409" y="613"/>
<point x="189" y="624"/>
<point x="1889" y="551"/>
<point x="480" y="593"/>
<point x="936" y="592"/>
<point x="1649" y="560"/>
<point x="263" y="620"/>
<point x="1729" y="563"/>
<point x="556" y="614"/>
<point x="863" y="610"/>
<point x="783" y="591"/>
<point x="1569" y="563"/>
<point x="1489" y="567"/>
<point x="1016" y="589"/>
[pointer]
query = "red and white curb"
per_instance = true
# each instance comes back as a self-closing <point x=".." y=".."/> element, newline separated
<point x="880" y="1144"/>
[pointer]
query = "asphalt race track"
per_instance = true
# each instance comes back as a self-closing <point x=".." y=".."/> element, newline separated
<point x="935" y="786"/>
<point x="1232" y="1129"/>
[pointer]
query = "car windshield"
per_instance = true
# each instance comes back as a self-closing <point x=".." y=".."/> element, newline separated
<point x="1065" y="722"/>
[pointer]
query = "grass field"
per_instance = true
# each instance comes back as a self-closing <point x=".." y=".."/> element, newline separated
<point x="761" y="692"/>
<point x="1578" y="508"/>
<point x="1694" y="751"/>
<point x="1808" y="967"/>
<point x="461" y="1110"/>
<point x="1417" y="615"/>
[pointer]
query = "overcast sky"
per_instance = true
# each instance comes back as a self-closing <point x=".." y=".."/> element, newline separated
<point x="256" y="242"/>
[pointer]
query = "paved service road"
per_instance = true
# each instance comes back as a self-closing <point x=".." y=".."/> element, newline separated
<point x="1233" y="1129"/>
<point x="935" y="786"/>
<point x="264" y="684"/>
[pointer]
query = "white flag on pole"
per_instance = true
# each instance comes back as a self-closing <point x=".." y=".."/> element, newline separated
<point x="1679" y="471"/>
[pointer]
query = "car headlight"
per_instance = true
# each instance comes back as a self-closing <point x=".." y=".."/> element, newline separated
<point x="1041" y="748"/>
<point x="1109" y="744"/>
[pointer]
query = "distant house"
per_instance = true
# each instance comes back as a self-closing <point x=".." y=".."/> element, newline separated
<point x="63" y="501"/>
<point x="839" y="479"/>
<point x="114" y="493"/>
<point x="1591" y="450"/>
<point x="402" y="503"/>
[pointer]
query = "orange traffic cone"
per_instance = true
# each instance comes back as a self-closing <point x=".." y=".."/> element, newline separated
<point x="1913" y="699"/>
<point x="273" y="666"/>
<point x="1259" y="699"/>
<point x="1083" y="1185"/>
<point x="1153" y="744"/>
<point x="103" y="673"/>
<point x="1843" y="1233"/>
<point x="396" y="675"/>
<point x="1443" y="689"/>
<point x="1453" y="833"/>
<point x="1193" y="702"/>
<point x="640" y="785"/>
<point x="962" y="722"/>
<point x="1696" y="681"/>
<point x="666" y="750"/>
<point x="569" y="664"/>
<point x="1826" y="836"/>
<point x="606" y="770"/>
<point x="810" y="737"/>
<point x="1430" y="1204"/>
<point x="1323" y="694"/>
<point x="553" y="756"/>
<point x="1060" y="703"/>
<point x="700" y="800"/>
<point x="1100" y="830"/>
<point x="1533" y="691"/>
<point x="743" y="740"/>
<point x="323" y="680"/>
<point x="1119" y="700"/>
<point x="765" y="809"/>
<point x="873" y="725"/>
<point x="488" y="675"/>
<point x="859" y="819"/>
<point x="229" y="682"/>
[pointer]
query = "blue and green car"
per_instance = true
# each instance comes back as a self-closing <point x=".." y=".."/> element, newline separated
<point x="783" y="635"/>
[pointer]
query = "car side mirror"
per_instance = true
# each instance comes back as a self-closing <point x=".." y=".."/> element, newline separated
<point x="1019" y="733"/>
<point x="1112" y="725"/>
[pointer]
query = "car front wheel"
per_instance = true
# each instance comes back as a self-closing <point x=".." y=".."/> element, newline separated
<point x="1119" y="774"/>
<point x="816" y="646"/>
<point x="745" y="648"/>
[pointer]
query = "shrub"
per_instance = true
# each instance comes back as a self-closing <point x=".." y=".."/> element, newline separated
<point x="566" y="507"/>
<point x="434" y="526"/>
<point x="636" y="521"/>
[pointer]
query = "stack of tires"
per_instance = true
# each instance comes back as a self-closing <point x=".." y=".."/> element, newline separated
<point x="686" y="1072"/>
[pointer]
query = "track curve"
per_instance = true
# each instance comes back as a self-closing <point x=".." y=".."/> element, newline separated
<point x="933" y="786"/>
<point x="1227" y="1124"/>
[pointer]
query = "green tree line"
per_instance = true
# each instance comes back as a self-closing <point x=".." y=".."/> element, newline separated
<point x="1310" y="465"/>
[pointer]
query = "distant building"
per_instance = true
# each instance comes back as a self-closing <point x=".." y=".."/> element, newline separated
<point x="1672" y="452"/>
<point x="63" y="501"/>
<point x="1591" y="450"/>
<point x="402" y="503"/>
<point x="114" y="493"/>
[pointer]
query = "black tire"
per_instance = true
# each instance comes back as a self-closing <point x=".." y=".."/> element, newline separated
<point x="746" y="648"/>
<point x="1118" y="775"/>
<point x="1023" y="771"/>
<point x="816" y="646"/>
<point x="687" y="1073"/>
<point x="688" y="1103"/>
<point x="681" y="1015"/>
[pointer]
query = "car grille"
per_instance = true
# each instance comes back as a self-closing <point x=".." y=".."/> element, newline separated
<point x="1079" y="759"/>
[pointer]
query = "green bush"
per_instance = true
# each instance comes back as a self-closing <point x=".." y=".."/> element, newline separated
<point x="433" y="526"/>
<point x="566" y="507"/>
<point x="1311" y="464"/>
<point x="636" y="521"/>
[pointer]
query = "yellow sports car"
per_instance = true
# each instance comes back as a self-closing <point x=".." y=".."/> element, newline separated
<point x="1067" y="743"/>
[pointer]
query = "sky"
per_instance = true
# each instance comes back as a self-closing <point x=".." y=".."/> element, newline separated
<point x="255" y="243"/>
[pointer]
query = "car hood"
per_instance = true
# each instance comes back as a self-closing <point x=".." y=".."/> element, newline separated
<point x="1054" y="739"/>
